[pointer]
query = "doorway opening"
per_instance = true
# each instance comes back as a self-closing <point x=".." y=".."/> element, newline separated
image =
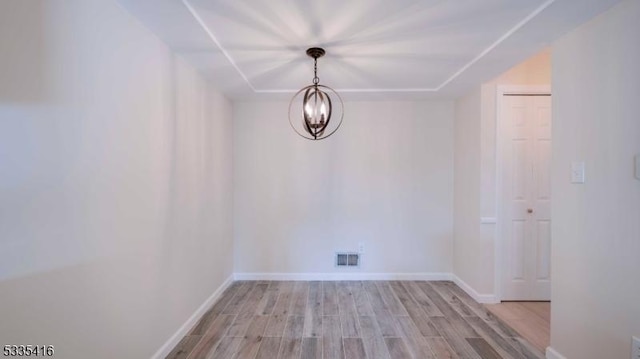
<point x="523" y="250"/>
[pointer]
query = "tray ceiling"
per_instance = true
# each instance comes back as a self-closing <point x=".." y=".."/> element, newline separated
<point x="375" y="48"/>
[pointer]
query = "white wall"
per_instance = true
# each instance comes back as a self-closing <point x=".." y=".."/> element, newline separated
<point x="469" y="253"/>
<point x="475" y="172"/>
<point x="595" y="307"/>
<point x="385" y="178"/>
<point x="115" y="182"/>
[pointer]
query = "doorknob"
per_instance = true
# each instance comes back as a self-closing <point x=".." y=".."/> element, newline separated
<point x="529" y="210"/>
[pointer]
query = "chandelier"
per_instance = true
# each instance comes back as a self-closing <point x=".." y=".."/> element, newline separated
<point x="316" y="111"/>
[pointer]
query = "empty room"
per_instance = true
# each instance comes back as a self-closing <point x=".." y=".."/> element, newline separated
<point x="356" y="179"/>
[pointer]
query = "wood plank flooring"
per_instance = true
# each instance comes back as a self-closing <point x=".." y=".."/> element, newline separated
<point x="531" y="320"/>
<point x="350" y="320"/>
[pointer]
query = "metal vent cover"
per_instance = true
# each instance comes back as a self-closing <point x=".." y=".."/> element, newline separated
<point x="347" y="259"/>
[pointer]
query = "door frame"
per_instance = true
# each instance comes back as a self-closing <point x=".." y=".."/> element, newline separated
<point x="501" y="91"/>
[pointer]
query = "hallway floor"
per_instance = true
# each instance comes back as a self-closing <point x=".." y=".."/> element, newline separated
<point x="350" y="319"/>
<point x="529" y="319"/>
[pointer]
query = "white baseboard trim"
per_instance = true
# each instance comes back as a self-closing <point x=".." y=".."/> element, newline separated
<point x="191" y="322"/>
<point x="342" y="276"/>
<point x="553" y="354"/>
<point x="480" y="298"/>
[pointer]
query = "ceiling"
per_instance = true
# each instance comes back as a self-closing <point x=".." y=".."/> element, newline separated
<point x="376" y="49"/>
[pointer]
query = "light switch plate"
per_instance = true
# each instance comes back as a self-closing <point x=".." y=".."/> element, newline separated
<point x="577" y="172"/>
<point x="637" y="161"/>
<point x="635" y="348"/>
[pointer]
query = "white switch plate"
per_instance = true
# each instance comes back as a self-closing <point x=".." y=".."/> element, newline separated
<point x="360" y="247"/>
<point x="635" y="348"/>
<point x="637" y="160"/>
<point x="577" y="172"/>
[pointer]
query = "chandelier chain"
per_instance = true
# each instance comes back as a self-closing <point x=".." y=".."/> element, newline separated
<point x="316" y="80"/>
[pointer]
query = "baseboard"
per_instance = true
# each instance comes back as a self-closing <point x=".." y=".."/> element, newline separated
<point x="480" y="298"/>
<point x="342" y="276"/>
<point x="191" y="322"/>
<point x="553" y="354"/>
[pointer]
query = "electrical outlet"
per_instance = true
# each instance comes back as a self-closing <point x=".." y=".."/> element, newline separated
<point x="361" y="247"/>
<point x="635" y="348"/>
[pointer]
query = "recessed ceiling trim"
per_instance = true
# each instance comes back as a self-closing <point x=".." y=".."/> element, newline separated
<point x="482" y="54"/>
<point x="215" y="41"/>
<point x="356" y="90"/>
<point x="497" y="42"/>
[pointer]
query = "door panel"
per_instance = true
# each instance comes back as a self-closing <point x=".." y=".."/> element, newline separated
<point x="517" y="254"/>
<point x="519" y="179"/>
<point x="543" y="242"/>
<point x="543" y="178"/>
<point x="526" y="193"/>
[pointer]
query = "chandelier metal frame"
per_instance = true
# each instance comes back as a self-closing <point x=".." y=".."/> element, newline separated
<point x="317" y="105"/>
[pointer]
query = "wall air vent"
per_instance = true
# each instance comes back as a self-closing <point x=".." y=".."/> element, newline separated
<point x="347" y="259"/>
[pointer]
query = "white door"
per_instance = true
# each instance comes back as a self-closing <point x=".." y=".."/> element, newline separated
<point x="526" y="220"/>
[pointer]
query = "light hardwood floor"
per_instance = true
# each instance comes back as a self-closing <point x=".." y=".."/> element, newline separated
<point x="350" y="320"/>
<point x="529" y="319"/>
